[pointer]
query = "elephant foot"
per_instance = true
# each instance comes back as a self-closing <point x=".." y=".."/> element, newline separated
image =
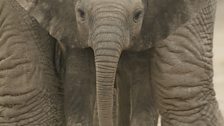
<point x="144" y="119"/>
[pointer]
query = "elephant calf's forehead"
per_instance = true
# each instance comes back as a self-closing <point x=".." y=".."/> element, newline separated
<point x="129" y="5"/>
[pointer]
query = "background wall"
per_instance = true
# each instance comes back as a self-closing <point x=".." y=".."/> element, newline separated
<point x="219" y="54"/>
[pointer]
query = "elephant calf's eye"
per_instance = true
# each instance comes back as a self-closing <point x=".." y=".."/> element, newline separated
<point x="137" y="15"/>
<point x="82" y="14"/>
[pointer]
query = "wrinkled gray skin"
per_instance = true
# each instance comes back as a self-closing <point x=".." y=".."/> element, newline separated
<point x="29" y="88"/>
<point x="124" y="48"/>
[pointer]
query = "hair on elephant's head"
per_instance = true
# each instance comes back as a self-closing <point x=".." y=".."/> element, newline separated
<point x="109" y="27"/>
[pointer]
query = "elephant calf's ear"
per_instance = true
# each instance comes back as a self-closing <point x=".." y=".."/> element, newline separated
<point x="162" y="17"/>
<point x="57" y="17"/>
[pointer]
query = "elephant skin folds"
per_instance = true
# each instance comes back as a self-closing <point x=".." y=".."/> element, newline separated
<point x="182" y="74"/>
<point x="28" y="84"/>
<point x="123" y="62"/>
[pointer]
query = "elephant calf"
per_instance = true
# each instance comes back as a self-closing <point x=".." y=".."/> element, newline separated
<point x="123" y="62"/>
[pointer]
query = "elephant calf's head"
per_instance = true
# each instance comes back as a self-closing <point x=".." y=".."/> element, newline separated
<point x="118" y="21"/>
<point x="108" y="27"/>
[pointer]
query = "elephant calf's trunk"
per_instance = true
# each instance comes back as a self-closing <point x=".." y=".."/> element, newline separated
<point x="106" y="60"/>
<point x="107" y="41"/>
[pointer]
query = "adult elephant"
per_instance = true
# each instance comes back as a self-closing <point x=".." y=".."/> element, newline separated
<point x="170" y="42"/>
<point x="29" y="89"/>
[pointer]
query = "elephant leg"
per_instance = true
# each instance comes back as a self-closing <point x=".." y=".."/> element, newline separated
<point x="182" y="74"/>
<point x="30" y="92"/>
<point x="144" y="112"/>
<point x="79" y="87"/>
<point x="136" y="91"/>
<point x="123" y="88"/>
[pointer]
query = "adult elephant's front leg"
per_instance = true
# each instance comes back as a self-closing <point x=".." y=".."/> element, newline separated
<point x="182" y="74"/>
<point x="79" y="87"/>
<point x="29" y="87"/>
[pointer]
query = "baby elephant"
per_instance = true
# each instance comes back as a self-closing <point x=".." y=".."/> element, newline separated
<point x="116" y="62"/>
